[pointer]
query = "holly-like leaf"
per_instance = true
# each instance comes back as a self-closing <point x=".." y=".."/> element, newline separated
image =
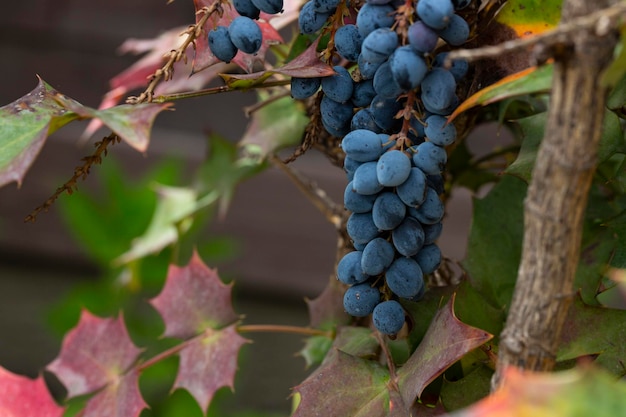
<point x="172" y="217"/>
<point x="530" y="17"/>
<point x="24" y="397"/>
<point x="532" y="80"/>
<point x="531" y="130"/>
<point x="193" y="300"/>
<point x="595" y="331"/>
<point x="119" y="398"/>
<point x="348" y="386"/>
<point x="94" y="354"/>
<point x="26" y="123"/>
<point x="495" y="241"/>
<point x="208" y="362"/>
<point x="579" y="392"/>
<point x="446" y="341"/>
<point x="264" y="136"/>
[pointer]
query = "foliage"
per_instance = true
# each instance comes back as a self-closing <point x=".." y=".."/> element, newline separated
<point x="443" y="358"/>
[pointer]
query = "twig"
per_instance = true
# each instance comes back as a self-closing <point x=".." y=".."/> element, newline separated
<point x="602" y="20"/>
<point x="331" y="210"/>
<point x="80" y="172"/>
<point x="277" y="328"/>
<point x="167" y="71"/>
<point x="216" y="90"/>
<point x="248" y="110"/>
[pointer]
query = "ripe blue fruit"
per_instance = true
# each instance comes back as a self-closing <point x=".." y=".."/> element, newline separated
<point x="338" y="87"/>
<point x="388" y="211"/>
<point x="365" y="181"/>
<point x="457" y="31"/>
<point x="247" y="8"/>
<point x="310" y="20"/>
<point x="220" y="44"/>
<point x="405" y="278"/>
<point x="430" y="158"/>
<point x="349" y="269"/>
<point x="348" y="42"/>
<point x="428" y="258"/>
<point x="439" y="131"/>
<point x="379" y="44"/>
<point x="245" y="34"/>
<point x="393" y="168"/>
<point x="360" y="300"/>
<point x="269" y="6"/>
<point x="377" y="256"/>
<point x="388" y="317"/>
<point x="362" y="145"/>
<point x="407" y="67"/>
<point x="302" y="88"/>
<point x="422" y="38"/>
<point x="435" y="13"/>
<point x="412" y="192"/>
<point x="361" y="227"/>
<point x="408" y="237"/>
<point x="355" y="202"/>
<point x="374" y="16"/>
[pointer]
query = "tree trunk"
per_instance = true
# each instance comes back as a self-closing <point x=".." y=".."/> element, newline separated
<point x="557" y="198"/>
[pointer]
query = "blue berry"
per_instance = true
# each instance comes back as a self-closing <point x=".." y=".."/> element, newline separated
<point x="360" y="300"/>
<point x="393" y="168"/>
<point x="439" y="131"/>
<point x="349" y="269"/>
<point x="302" y="88"/>
<point x="388" y="211"/>
<point x="405" y="278"/>
<point x="377" y="256"/>
<point x="362" y="145"/>
<point x="338" y="87"/>
<point x="246" y="34"/>
<point x="348" y="42"/>
<point x="430" y="158"/>
<point x="220" y="44"/>
<point x="435" y="13"/>
<point x="361" y="227"/>
<point x="428" y="258"/>
<point x="388" y="317"/>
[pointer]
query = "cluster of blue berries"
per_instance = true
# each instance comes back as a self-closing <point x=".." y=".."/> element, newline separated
<point x="391" y="114"/>
<point x="243" y="34"/>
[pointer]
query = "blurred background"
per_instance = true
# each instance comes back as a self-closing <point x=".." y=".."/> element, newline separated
<point x="273" y="243"/>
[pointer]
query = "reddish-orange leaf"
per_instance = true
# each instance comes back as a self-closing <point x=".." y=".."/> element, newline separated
<point x="24" y="397"/>
<point x="193" y="300"/>
<point x="94" y="353"/>
<point x="529" y="81"/>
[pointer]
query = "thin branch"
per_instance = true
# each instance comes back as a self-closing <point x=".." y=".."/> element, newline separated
<point x="602" y="20"/>
<point x="167" y="71"/>
<point x="165" y="354"/>
<point x="216" y="90"/>
<point x="331" y="210"/>
<point x="277" y="328"/>
<point x="80" y="172"/>
<point x="248" y="110"/>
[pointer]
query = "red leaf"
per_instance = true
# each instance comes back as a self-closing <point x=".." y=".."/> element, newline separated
<point x="120" y="398"/>
<point x="194" y="299"/>
<point x="305" y="65"/>
<point x="446" y="341"/>
<point x="94" y="353"/>
<point x="24" y="397"/>
<point x="208" y="363"/>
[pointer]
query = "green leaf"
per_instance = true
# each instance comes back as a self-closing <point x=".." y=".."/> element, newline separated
<point x="265" y="135"/>
<point x="531" y="130"/>
<point x="223" y="170"/>
<point x="530" y="17"/>
<point x="616" y="100"/>
<point x="24" y="127"/>
<point x="529" y="81"/>
<point x="315" y="350"/>
<point x="467" y="390"/>
<point x="590" y="330"/>
<point x="172" y="217"/>
<point x="495" y="241"/>
<point x="617" y="70"/>
<point x="26" y="123"/>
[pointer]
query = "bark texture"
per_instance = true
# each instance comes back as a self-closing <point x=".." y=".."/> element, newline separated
<point x="557" y="198"/>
